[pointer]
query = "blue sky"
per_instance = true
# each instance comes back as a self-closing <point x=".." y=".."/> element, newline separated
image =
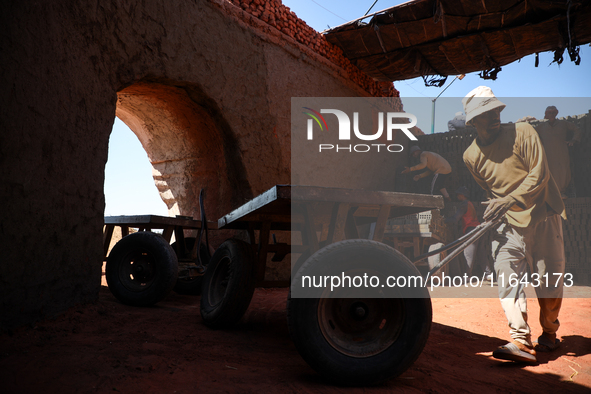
<point x="129" y="186"/>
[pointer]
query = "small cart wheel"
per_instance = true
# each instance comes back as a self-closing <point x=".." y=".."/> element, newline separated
<point x="353" y="340"/>
<point x="228" y="284"/>
<point x="185" y="284"/>
<point x="141" y="269"/>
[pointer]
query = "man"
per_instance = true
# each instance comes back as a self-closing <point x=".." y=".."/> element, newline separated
<point x="435" y="165"/>
<point x="474" y="253"/>
<point x="553" y="134"/>
<point x="509" y="162"/>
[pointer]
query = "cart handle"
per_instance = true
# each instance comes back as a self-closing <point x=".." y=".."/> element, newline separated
<point x="473" y="235"/>
<point x="445" y="247"/>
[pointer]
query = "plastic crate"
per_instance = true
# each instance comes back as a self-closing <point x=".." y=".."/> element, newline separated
<point x="422" y="222"/>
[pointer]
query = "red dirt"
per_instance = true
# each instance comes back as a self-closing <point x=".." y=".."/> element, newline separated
<point x="110" y="347"/>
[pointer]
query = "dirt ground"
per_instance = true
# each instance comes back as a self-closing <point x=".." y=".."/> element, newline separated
<point x="109" y="347"/>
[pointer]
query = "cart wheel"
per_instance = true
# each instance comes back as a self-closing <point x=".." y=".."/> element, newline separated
<point x="190" y="285"/>
<point x="353" y="340"/>
<point x="141" y="269"/>
<point x="228" y="284"/>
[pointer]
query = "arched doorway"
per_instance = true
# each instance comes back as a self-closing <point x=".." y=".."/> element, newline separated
<point x="188" y="144"/>
<point x="129" y="182"/>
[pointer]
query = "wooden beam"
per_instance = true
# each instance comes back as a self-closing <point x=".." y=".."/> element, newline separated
<point x="338" y="219"/>
<point x="107" y="236"/>
<point x="381" y="223"/>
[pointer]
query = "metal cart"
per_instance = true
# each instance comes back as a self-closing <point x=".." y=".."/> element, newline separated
<point x="350" y="340"/>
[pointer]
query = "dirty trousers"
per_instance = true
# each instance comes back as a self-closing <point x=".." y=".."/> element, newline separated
<point x="522" y="252"/>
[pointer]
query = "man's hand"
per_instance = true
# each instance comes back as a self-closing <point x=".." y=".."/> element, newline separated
<point x="497" y="207"/>
<point x="572" y="143"/>
<point x="416" y="178"/>
<point x="406" y="170"/>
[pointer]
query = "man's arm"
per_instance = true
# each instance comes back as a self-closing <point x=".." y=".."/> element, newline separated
<point x="576" y="133"/>
<point x="420" y="166"/>
<point x="534" y="156"/>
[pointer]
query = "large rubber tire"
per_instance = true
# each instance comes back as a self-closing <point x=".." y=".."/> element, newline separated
<point x="359" y="341"/>
<point x="141" y="269"/>
<point x="191" y="286"/>
<point x="228" y="284"/>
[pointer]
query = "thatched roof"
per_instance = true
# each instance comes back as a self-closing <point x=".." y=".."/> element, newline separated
<point x="451" y="37"/>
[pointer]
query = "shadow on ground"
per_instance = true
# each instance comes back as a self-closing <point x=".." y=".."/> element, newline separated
<point x="110" y="347"/>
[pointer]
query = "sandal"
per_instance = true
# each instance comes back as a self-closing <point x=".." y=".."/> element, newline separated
<point x="545" y="344"/>
<point x="512" y="352"/>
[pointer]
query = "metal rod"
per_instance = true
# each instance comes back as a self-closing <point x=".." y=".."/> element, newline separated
<point x="448" y="246"/>
<point x="457" y="76"/>
<point x="461" y="76"/>
<point x="487" y="226"/>
<point x="433" y="116"/>
<point x="374" y="3"/>
<point x="367" y="16"/>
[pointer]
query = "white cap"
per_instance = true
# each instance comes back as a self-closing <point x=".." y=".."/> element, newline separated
<point x="479" y="101"/>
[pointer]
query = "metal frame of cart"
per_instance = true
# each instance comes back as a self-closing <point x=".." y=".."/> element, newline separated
<point x="338" y="213"/>
<point x="350" y="341"/>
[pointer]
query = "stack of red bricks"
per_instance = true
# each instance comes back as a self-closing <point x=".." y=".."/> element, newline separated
<point x="274" y="13"/>
<point x="577" y="239"/>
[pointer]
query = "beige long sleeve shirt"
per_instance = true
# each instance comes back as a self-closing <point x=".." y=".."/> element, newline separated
<point x="515" y="165"/>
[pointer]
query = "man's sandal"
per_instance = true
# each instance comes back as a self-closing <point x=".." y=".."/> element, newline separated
<point x="545" y="344"/>
<point x="512" y="352"/>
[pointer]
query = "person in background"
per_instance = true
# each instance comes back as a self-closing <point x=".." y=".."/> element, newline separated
<point x="553" y="134"/>
<point x="458" y="122"/>
<point x="509" y="162"/>
<point x="475" y="253"/>
<point x="435" y="165"/>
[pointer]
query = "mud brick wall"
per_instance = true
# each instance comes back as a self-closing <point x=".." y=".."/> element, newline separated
<point x="279" y="16"/>
<point x="577" y="239"/>
<point x="206" y="85"/>
<point x="580" y="158"/>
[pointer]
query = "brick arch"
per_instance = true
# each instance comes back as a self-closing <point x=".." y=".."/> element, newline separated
<point x="187" y="145"/>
